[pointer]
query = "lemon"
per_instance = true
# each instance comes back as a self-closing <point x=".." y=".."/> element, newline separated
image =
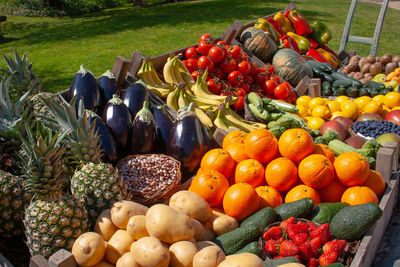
<point x="303" y="100"/>
<point x="336" y="114"/>
<point x="315" y="123"/>
<point x="316" y="102"/>
<point x="321" y="112"/>
<point x="303" y="110"/>
<point x="378" y="98"/>
<point x="392" y="99"/>
<point x="373" y="107"/>
<point x="307" y="118"/>
<point x="362" y="101"/>
<point x="396" y="108"/>
<point x="341" y="98"/>
<point x="349" y="110"/>
<point x="333" y="106"/>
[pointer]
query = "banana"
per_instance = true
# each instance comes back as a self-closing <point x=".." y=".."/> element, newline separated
<point x="171" y="71"/>
<point x="201" y="89"/>
<point x="201" y="101"/>
<point x="205" y="120"/>
<point x="241" y="123"/>
<point x="185" y="74"/>
<point x="148" y="75"/>
<point x="172" y="99"/>
<point x="221" y="122"/>
<point x="182" y="99"/>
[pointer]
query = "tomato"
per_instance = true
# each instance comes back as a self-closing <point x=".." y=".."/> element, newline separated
<point x="236" y="52"/>
<point x="189" y="65"/>
<point x="204" y="63"/>
<point x="239" y="92"/>
<point x="269" y="86"/>
<point x="239" y="105"/>
<point x="254" y="69"/>
<point x="246" y="87"/>
<point x="292" y="97"/>
<point x="206" y="37"/>
<point x="235" y="77"/>
<point x="195" y="74"/>
<point x="216" y="53"/>
<point x="228" y="65"/>
<point x="218" y="73"/>
<point x="277" y="79"/>
<point x="248" y="79"/>
<point x="282" y="91"/>
<point x="213" y="86"/>
<point x="261" y="76"/>
<point x="193" y="61"/>
<point x="244" y="67"/>
<point x="244" y="57"/>
<point x="226" y="92"/>
<point x="204" y="47"/>
<point x="192" y="52"/>
<point x="223" y="45"/>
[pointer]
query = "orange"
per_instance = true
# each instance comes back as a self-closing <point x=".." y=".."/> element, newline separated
<point x="261" y="145"/>
<point x="219" y="160"/>
<point x="250" y="171"/>
<point x="351" y="168"/>
<point x="240" y="201"/>
<point x="316" y="171"/>
<point x="332" y="192"/>
<point x="237" y="152"/>
<point x="210" y="185"/>
<point x="281" y="174"/>
<point x="269" y="196"/>
<point x="233" y="137"/>
<point x="357" y="195"/>
<point x="296" y="144"/>
<point x="302" y="191"/>
<point x="324" y="150"/>
<point x="375" y="182"/>
<point x="392" y="99"/>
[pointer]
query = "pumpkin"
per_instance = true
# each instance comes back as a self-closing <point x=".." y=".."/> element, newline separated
<point x="291" y="66"/>
<point x="259" y="43"/>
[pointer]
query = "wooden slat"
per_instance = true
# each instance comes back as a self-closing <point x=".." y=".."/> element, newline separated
<point x="38" y="261"/>
<point x="361" y="40"/>
<point x="314" y="88"/>
<point x="387" y="160"/>
<point x="120" y="69"/>
<point x="62" y="258"/>
<point x="4" y="262"/>
<point x="135" y="62"/>
<point x="302" y="86"/>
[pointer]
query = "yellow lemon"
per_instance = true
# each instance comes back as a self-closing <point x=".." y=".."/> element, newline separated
<point x="349" y="110"/>
<point x="315" y="123"/>
<point x="396" y="108"/>
<point x="307" y="118"/>
<point x="362" y="101"/>
<point x="392" y="99"/>
<point x="336" y="114"/>
<point x="373" y="107"/>
<point x="378" y="98"/>
<point x="316" y="102"/>
<point x="341" y="98"/>
<point x="321" y="112"/>
<point x="303" y="110"/>
<point x="303" y="100"/>
<point x="333" y="106"/>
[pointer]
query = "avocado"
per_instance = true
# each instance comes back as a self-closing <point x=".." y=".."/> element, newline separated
<point x="262" y="218"/>
<point x="324" y="212"/>
<point x="298" y="209"/>
<point x="234" y="240"/>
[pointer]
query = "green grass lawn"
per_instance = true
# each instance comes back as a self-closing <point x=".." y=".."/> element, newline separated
<point x="57" y="46"/>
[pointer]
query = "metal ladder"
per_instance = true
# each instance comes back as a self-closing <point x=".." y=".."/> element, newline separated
<point x="346" y="37"/>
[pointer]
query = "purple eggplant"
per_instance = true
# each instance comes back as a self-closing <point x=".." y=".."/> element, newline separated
<point x="118" y="118"/>
<point x="143" y="131"/>
<point x="84" y="86"/>
<point x="186" y="142"/>
<point x="135" y="96"/>
<point x="107" y="87"/>
<point x="164" y="125"/>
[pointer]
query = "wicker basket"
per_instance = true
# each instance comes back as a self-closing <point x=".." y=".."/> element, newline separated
<point x="151" y="191"/>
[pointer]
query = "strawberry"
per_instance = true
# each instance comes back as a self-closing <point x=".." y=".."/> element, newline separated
<point x="286" y="222"/>
<point x="328" y="258"/>
<point x="274" y="232"/>
<point x="305" y="251"/>
<point x="322" y="232"/>
<point x="313" y="262"/>
<point x="311" y="226"/>
<point x="294" y="229"/>
<point x="271" y="247"/>
<point x="280" y="240"/>
<point x="334" y="245"/>
<point x="278" y="257"/>
<point x="300" y="238"/>
<point x="315" y="246"/>
<point x="297" y="257"/>
<point x="288" y="248"/>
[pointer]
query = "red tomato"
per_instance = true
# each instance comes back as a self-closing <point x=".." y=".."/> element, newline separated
<point x="216" y="53"/>
<point x="195" y="74"/>
<point x="192" y="52"/>
<point x="205" y="37"/>
<point x="244" y="67"/>
<point x="235" y="78"/>
<point x="236" y="52"/>
<point x="222" y="43"/>
<point x="248" y="79"/>
<point x="269" y="86"/>
<point x="226" y="92"/>
<point x="189" y="65"/>
<point x="213" y="86"/>
<point x="277" y="79"/>
<point x="193" y="61"/>
<point x="254" y="69"/>
<point x="292" y="97"/>
<point x="261" y="76"/>
<point x="218" y="73"/>
<point x="246" y="87"/>
<point x="204" y="47"/>
<point x="244" y="57"/>
<point x="282" y="91"/>
<point x="204" y="63"/>
<point x="239" y="105"/>
<point x="228" y="65"/>
<point x="239" y="92"/>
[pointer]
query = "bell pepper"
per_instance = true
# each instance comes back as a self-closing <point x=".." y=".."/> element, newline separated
<point x="316" y="55"/>
<point x="325" y="47"/>
<point x="285" y="23"/>
<point x="265" y="26"/>
<point x="321" y="34"/>
<point x="334" y="61"/>
<point x="300" y="23"/>
<point x="276" y="25"/>
<point x="288" y="42"/>
<point x="313" y="43"/>
<point x="302" y="42"/>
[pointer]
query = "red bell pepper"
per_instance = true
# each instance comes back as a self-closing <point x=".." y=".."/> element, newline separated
<point x="316" y="55"/>
<point x="313" y="43"/>
<point x="326" y="48"/>
<point x="288" y="42"/>
<point x="300" y="23"/>
<point x="276" y="25"/>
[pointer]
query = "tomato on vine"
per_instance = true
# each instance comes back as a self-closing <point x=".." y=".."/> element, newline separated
<point x="189" y="65"/>
<point x="204" y="63"/>
<point x="195" y="74"/>
<point x="235" y="77"/>
<point x="214" y="86"/>
<point x="206" y="37"/>
<point x="192" y="52"/>
<point x="246" y="86"/>
<point x="236" y="52"/>
<point x="239" y="105"/>
<point x="218" y="73"/>
<point x="204" y="47"/>
<point x="228" y="65"/>
<point x="282" y="91"/>
<point x="216" y="54"/>
<point x="244" y="67"/>
<point x="269" y="86"/>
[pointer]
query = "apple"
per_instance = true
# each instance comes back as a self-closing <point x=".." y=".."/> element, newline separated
<point x="346" y="122"/>
<point x="393" y="116"/>
<point x="335" y="126"/>
<point x="355" y="141"/>
<point x="369" y="117"/>
<point x="389" y="137"/>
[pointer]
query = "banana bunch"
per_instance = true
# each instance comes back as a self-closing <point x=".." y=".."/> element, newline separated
<point x="200" y="89"/>
<point x="147" y="73"/>
<point x="175" y="72"/>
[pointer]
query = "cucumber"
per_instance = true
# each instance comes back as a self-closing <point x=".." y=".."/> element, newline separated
<point x="342" y="76"/>
<point x="336" y="264"/>
<point x="326" y="77"/>
<point x="352" y="91"/>
<point x="277" y="131"/>
<point x="272" y="124"/>
<point x="375" y="85"/>
<point x="281" y="261"/>
<point x="251" y="247"/>
<point x="256" y="100"/>
<point x="341" y="83"/>
<point x="264" y="115"/>
<point x="298" y="209"/>
<point x="262" y="218"/>
<point x="288" y="122"/>
<point x="285" y="106"/>
<point x="275" y="116"/>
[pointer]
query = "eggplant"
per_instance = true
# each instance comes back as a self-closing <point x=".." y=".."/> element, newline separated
<point x="186" y="141"/>
<point x="118" y="118"/>
<point x="135" y="96"/>
<point x="84" y="86"/>
<point x="143" y="131"/>
<point x="107" y="87"/>
<point x="164" y="123"/>
<point x="106" y="138"/>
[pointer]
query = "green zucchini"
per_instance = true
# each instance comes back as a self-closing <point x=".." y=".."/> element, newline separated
<point x="320" y="67"/>
<point x="384" y="91"/>
<point x="376" y="85"/>
<point x="326" y="77"/>
<point x="285" y="106"/>
<point x="342" y="76"/>
<point x="339" y="91"/>
<point x="363" y="91"/>
<point x="341" y="83"/>
<point x="352" y="91"/>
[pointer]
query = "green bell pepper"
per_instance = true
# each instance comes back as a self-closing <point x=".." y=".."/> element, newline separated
<point x="302" y="42"/>
<point x="321" y="34"/>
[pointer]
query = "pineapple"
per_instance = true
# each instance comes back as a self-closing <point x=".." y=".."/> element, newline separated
<point x="38" y="108"/>
<point x="94" y="183"/>
<point x="53" y="219"/>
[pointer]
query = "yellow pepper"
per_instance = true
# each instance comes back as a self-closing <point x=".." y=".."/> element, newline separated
<point x="285" y="23"/>
<point x="330" y="57"/>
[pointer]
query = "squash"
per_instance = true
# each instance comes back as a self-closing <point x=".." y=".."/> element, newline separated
<point x="259" y="43"/>
<point x="291" y="66"/>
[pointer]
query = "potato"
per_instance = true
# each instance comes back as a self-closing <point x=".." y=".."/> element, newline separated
<point x="181" y="254"/>
<point x="192" y="205"/>
<point x="208" y="257"/>
<point x="358" y="75"/>
<point x="149" y="252"/>
<point x="222" y="223"/>
<point x="209" y="233"/>
<point x="136" y="227"/>
<point x="128" y="260"/>
<point x="370" y="59"/>
<point x="354" y="59"/>
<point x="198" y="230"/>
<point x="103" y="264"/>
<point x="203" y="244"/>
<point x="131" y="248"/>
<point x="104" y="226"/>
<point x="88" y="249"/>
<point x="168" y="224"/>
<point x="365" y="68"/>
<point x="118" y="245"/>
<point x="123" y="210"/>
<point x="242" y="260"/>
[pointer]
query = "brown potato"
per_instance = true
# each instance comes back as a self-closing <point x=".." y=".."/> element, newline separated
<point x="208" y="257"/>
<point x="198" y="230"/>
<point x="127" y="260"/>
<point x="136" y="227"/>
<point x="351" y="74"/>
<point x="88" y="249"/>
<point x="192" y="205"/>
<point x="365" y="68"/>
<point x="242" y="260"/>
<point x="104" y="226"/>
<point x="386" y="58"/>
<point x="362" y="62"/>
<point x="149" y="251"/>
<point x="118" y="245"/>
<point x="181" y="254"/>
<point x="203" y="244"/>
<point x="123" y="210"/>
<point x="396" y="59"/>
<point x="376" y="68"/>
<point x="354" y="59"/>
<point x="371" y="59"/>
<point x="390" y="67"/>
<point x="358" y="75"/>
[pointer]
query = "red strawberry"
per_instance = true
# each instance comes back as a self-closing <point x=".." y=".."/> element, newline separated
<point x="300" y="238"/>
<point x="322" y="232"/>
<point x="274" y="232"/>
<point x="278" y="257"/>
<point x="294" y="229"/>
<point x="334" y="245"/>
<point x="311" y="226"/>
<point x="305" y="251"/>
<point x="313" y="262"/>
<point x="286" y="222"/>
<point x="280" y="240"/>
<point x="288" y="248"/>
<point x="297" y="257"/>
<point x="271" y="247"/>
<point x="328" y="258"/>
<point x="315" y="246"/>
